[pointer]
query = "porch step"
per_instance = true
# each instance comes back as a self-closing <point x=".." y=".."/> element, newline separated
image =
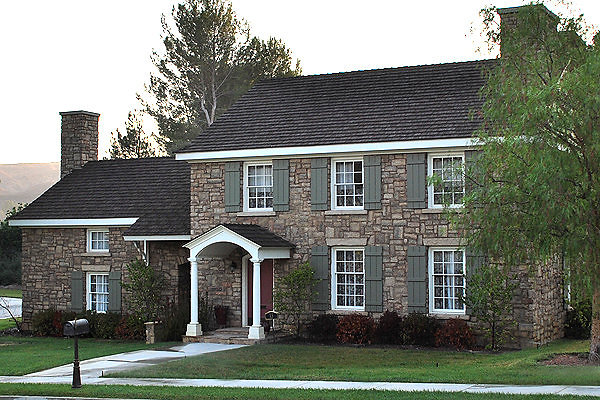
<point x="231" y="335"/>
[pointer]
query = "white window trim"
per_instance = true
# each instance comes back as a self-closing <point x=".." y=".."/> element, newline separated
<point x="334" y="305"/>
<point x="89" y="240"/>
<point x="334" y="205"/>
<point x="430" y="157"/>
<point x="245" y="186"/>
<point x="432" y="310"/>
<point x="88" y="290"/>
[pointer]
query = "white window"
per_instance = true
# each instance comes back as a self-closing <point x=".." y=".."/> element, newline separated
<point x="97" y="292"/>
<point x="258" y="187"/>
<point x="449" y="189"/>
<point x="347" y="185"/>
<point x="446" y="280"/>
<point x="97" y="240"/>
<point x="348" y="279"/>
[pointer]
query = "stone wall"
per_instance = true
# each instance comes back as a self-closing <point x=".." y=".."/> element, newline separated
<point x="79" y="140"/>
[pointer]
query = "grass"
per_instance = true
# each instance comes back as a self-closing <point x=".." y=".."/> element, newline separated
<point x="314" y="362"/>
<point x="23" y="355"/>
<point x="193" y="393"/>
<point x="7" y="323"/>
<point x="17" y="293"/>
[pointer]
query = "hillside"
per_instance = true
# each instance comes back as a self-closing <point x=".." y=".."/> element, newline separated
<point x="23" y="183"/>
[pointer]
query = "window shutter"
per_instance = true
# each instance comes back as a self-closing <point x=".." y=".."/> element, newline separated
<point x="471" y="157"/>
<point x="281" y="185"/>
<point x="417" y="278"/>
<point x="372" y="168"/>
<point x="77" y="291"/>
<point x="232" y="186"/>
<point x="475" y="260"/>
<point x="374" y="278"/>
<point x="416" y="180"/>
<point x="114" y="291"/>
<point x="319" y="261"/>
<point x="318" y="184"/>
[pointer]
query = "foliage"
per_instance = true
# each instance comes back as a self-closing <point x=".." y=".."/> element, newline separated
<point x="10" y="249"/>
<point x="206" y="314"/>
<point x="144" y="287"/>
<point x="175" y="321"/>
<point x="130" y="327"/>
<point x="294" y="294"/>
<point x="489" y="297"/>
<point x="535" y="192"/>
<point x="134" y="143"/>
<point x="579" y="320"/>
<point x="209" y="60"/>
<point x="419" y="329"/>
<point x="455" y="333"/>
<point x="356" y="329"/>
<point x="323" y="328"/>
<point x="388" y="329"/>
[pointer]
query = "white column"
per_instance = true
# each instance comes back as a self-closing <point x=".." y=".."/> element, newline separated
<point x="193" y="328"/>
<point x="256" y="330"/>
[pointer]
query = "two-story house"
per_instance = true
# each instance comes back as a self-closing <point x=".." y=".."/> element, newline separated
<point x="330" y="169"/>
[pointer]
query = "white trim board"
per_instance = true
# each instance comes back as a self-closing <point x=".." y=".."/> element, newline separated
<point x="330" y="149"/>
<point x="47" y="223"/>
<point x="155" y="238"/>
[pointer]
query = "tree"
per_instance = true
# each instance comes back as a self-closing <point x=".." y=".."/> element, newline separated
<point x="209" y="60"/>
<point x="134" y="143"/>
<point x="145" y="286"/>
<point x="535" y="189"/>
<point x="10" y="249"/>
<point x="294" y="294"/>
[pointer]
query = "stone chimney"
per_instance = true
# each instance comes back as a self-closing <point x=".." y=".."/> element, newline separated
<point x="79" y="140"/>
<point x="509" y="18"/>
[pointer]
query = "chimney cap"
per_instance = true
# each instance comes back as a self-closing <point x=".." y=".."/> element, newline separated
<point x="79" y="112"/>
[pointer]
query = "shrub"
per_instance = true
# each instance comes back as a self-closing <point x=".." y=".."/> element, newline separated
<point x="175" y="322"/>
<point x="106" y="325"/>
<point x="130" y="327"/>
<point x="43" y="323"/>
<point x="144" y="289"/>
<point x="294" y="294"/>
<point x="388" y="328"/>
<point x="419" y="329"/>
<point x="455" y="333"/>
<point x="323" y="328"/>
<point x="579" y="320"/>
<point x="355" y="328"/>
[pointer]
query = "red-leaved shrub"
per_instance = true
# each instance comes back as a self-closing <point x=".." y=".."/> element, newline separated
<point x="388" y="328"/>
<point x="356" y="329"/>
<point x="455" y="333"/>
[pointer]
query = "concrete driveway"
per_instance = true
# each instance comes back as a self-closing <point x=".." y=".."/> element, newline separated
<point x="15" y="307"/>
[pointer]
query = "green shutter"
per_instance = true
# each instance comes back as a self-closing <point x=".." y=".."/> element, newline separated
<point x="318" y="184"/>
<point x="475" y="260"/>
<point x="232" y="186"/>
<point x="471" y="178"/>
<point x="374" y="278"/>
<point x="77" y="291"/>
<point x="114" y="291"/>
<point x="372" y="170"/>
<point x="319" y="261"/>
<point x="281" y="185"/>
<point x="416" y="180"/>
<point x="417" y="278"/>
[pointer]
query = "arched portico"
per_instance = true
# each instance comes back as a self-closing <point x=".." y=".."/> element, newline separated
<point x="220" y="242"/>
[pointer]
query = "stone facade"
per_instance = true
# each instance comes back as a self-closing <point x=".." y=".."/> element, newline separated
<point x="79" y="140"/>
<point x="51" y="254"/>
<point x="394" y="227"/>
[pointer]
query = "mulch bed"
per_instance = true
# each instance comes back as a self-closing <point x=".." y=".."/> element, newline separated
<point x="571" y="359"/>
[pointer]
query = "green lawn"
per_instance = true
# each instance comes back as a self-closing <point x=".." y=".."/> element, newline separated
<point x="18" y="293"/>
<point x="379" y="364"/>
<point x="7" y="323"/>
<point x="176" y="393"/>
<point x="23" y="355"/>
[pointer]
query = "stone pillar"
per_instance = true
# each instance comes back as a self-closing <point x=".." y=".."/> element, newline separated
<point x="78" y="140"/>
<point x="194" y="328"/>
<point x="257" y="331"/>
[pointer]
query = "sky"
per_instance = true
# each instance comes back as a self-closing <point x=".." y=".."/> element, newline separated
<point x="95" y="55"/>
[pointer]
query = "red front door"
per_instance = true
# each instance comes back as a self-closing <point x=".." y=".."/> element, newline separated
<point x="266" y="288"/>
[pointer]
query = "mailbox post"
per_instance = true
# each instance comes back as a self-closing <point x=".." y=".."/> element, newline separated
<point x="76" y="328"/>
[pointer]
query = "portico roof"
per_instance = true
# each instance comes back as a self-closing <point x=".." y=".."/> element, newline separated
<point x="221" y="240"/>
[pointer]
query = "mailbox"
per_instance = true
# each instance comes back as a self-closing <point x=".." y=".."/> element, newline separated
<point x="76" y="327"/>
<point x="271" y="315"/>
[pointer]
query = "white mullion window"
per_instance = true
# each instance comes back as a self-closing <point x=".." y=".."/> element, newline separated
<point x="348" y="279"/>
<point x="446" y="280"/>
<point x="258" y="187"/>
<point x="347" y="184"/>
<point x="450" y="188"/>
<point x="97" y="240"/>
<point x="97" y="292"/>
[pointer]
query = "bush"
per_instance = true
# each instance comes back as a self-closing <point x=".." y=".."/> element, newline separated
<point x="130" y="327"/>
<point x="323" y="328"/>
<point x="419" y="329"/>
<point x="106" y="325"/>
<point x="579" y="320"/>
<point x="43" y="323"/>
<point x="175" y="322"/>
<point x="455" y="333"/>
<point x="355" y="328"/>
<point x="388" y="328"/>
